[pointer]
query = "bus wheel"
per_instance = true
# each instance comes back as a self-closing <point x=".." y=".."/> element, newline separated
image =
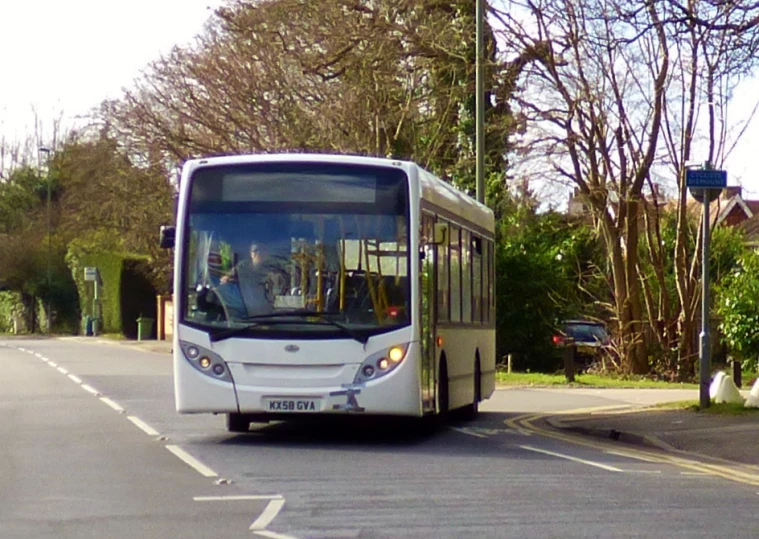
<point x="238" y="423"/>
<point x="442" y="390"/>
<point x="471" y="411"/>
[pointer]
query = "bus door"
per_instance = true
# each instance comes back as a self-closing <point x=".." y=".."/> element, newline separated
<point x="427" y="291"/>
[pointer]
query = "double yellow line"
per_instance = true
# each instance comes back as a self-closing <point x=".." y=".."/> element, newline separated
<point x="732" y="471"/>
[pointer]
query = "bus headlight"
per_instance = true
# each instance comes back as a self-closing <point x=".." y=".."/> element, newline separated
<point x="381" y="363"/>
<point x="205" y="361"/>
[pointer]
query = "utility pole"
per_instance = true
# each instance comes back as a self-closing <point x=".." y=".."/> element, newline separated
<point x="49" y="310"/>
<point x="480" y="103"/>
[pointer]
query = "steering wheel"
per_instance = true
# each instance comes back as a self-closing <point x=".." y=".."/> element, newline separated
<point x="209" y="300"/>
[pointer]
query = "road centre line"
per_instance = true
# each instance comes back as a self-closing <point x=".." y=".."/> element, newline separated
<point x="191" y="461"/>
<point x="236" y="498"/>
<point x="52" y="364"/>
<point x="144" y="427"/>
<point x="272" y="509"/>
<point x="62" y="370"/>
<point x="570" y="457"/>
<point x="75" y="379"/>
<point x="112" y="404"/>
<point x="273" y="535"/>
<point x="90" y="389"/>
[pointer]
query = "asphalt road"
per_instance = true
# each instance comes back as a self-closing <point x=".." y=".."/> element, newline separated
<point x="92" y="447"/>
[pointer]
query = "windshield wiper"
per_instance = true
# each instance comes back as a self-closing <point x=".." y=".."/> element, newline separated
<point x="231" y="332"/>
<point x="361" y="337"/>
<point x="261" y="319"/>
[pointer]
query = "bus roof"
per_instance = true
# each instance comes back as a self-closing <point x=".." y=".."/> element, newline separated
<point x="438" y="192"/>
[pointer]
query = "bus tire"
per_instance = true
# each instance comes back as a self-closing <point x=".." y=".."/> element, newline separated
<point x="471" y="411"/>
<point x="238" y="423"/>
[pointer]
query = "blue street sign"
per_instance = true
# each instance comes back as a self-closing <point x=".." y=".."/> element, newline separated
<point x="706" y="179"/>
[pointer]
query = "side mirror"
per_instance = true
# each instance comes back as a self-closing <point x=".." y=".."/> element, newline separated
<point x="168" y="237"/>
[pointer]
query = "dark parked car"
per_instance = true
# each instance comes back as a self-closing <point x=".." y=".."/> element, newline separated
<point x="590" y="339"/>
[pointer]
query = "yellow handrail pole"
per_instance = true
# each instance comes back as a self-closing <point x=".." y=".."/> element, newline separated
<point x="319" y="283"/>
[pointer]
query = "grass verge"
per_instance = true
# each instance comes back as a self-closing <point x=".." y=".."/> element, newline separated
<point x="723" y="408"/>
<point x="530" y="379"/>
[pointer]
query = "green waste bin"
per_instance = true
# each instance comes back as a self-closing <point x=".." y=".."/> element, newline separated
<point x="144" y="328"/>
<point x="87" y="326"/>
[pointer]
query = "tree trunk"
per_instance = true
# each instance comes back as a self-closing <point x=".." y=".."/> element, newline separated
<point x="638" y="356"/>
<point x="29" y="302"/>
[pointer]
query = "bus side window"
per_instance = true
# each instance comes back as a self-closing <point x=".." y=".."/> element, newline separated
<point x="466" y="276"/>
<point x="442" y="281"/>
<point x="455" y="272"/>
<point x="476" y="279"/>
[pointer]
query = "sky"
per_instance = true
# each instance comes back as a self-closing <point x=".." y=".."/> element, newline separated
<point x="63" y="57"/>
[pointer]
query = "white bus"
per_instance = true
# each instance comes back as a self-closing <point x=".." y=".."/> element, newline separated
<point x="378" y="288"/>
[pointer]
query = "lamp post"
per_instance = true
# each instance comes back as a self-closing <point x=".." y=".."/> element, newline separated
<point x="46" y="151"/>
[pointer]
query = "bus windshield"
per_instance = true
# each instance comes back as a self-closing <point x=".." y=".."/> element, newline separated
<point x="274" y="242"/>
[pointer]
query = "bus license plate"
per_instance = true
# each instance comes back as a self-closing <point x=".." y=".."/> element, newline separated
<point x="292" y="405"/>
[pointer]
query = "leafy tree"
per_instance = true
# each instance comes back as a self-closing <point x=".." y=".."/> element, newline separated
<point x="738" y="309"/>
<point x="546" y="271"/>
<point x="111" y="203"/>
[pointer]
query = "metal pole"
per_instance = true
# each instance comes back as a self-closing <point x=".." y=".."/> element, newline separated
<point x="480" y="104"/>
<point x="46" y="151"/>
<point x="704" y="348"/>
<point x="49" y="254"/>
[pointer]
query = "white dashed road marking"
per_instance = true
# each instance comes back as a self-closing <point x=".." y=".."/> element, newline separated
<point x="191" y="461"/>
<point x="90" y="389"/>
<point x="573" y="459"/>
<point x="237" y="498"/>
<point x="144" y="427"/>
<point x="269" y="514"/>
<point x="112" y="404"/>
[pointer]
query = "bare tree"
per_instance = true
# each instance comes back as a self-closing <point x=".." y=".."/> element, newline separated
<point x="614" y="102"/>
<point x="391" y="78"/>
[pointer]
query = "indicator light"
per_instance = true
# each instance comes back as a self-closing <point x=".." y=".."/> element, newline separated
<point x="395" y="354"/>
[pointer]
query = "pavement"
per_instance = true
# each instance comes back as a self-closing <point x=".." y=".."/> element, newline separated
<point x="712" y="436"/>
<point x="731" y="438"/>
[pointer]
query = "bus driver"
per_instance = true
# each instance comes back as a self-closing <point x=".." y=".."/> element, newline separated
<point x="258" y="278"/>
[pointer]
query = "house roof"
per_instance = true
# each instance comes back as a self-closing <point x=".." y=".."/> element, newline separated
<point x="750" y="228"/>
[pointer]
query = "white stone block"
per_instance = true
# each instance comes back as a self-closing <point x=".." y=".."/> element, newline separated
<point x="728" y="392"/>
<point x="716" y="381"/>
<point x="753" y="397"/>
